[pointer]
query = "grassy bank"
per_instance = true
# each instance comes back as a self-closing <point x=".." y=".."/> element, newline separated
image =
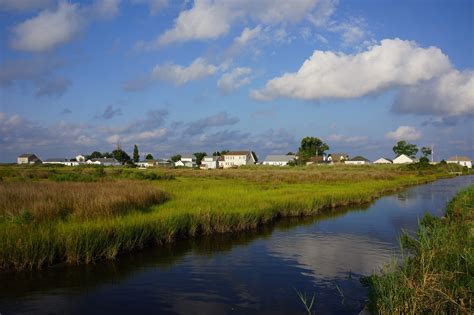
<point x="437" y="275"/>
<point x="198" y="202"/>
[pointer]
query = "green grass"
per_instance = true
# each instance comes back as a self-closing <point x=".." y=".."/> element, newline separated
<point x="437" y="275"/>
<point x="199" y="202"/>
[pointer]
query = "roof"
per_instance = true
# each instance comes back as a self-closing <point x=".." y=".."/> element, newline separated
<point x="279" y="158"/>
<point x="27" y="155"/>
<point x="210" y="158"/>
<point x="104" y="160"/>
<point x="384" y="158"/>
<point x="56" y="160"/>
<point x="237" y="153"/>
<point x="359" y="158"/>
<point x="460" y="158"/>
<point x="404" y="156"/>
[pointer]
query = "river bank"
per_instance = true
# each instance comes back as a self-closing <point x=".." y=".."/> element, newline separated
<point x="198" y="203"/>
<point x="436" y="274"/>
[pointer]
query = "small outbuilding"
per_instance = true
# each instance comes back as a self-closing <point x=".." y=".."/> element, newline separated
<point x="28" y="158"/>
<point x="357" y="160"/>
<point x="383" y="160"/>
<point x="403" y="159"/>
<point x="461" y="160"/>
<point x="278" y="160"/>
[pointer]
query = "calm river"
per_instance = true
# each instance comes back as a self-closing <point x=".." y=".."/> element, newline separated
<point x="247" y="273"/>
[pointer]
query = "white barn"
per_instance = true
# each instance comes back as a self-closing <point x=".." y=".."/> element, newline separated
<point x="383" y="160"/>
<point x="403" y="159"/>
<point x="461" y="160"/>
<point x="237" y="158"/>
<point x="278" y="160"/>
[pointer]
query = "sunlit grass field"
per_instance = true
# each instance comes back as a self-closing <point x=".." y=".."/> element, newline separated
<point x="188" y="203"/>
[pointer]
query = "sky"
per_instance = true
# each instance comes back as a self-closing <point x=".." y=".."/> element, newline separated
<point x="201" y="76"/>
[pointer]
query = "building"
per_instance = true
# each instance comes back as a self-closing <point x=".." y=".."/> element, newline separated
<point x="60" y="161"/>
<point x="164" y="163"/>
<point x="146" y="163"/>
<point x="28" y="158"/>
<point x="403" y="159"/>
<point x="358" y="160"/>
<point x="337" y="157"/>
<point x="188" y="160"/>
<point x="104" y="162"/>
<point x="278" y="160"/>
<point x="210" y="162"/>
<point x="461" y="160"/>
<point x="383" y="160"/>
<point x="320" y="159"/>
<point x="237" y="158"/>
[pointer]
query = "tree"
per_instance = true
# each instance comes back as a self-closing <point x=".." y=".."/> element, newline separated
<point x="426" y="151"/>
<point x="424" y="159"/>
<point x="136" y="155"/>
<point x="199" y="156"/>
<point x="95" y="155"/>
<point x="176" y="158"/>
<point x="149" y="157"/>
<point x="311" y="146"/>
<point x="291" y="153"/>
<point x="120" y="155"/>
<point x="403" y="147"/>
<point x="217" y="153"/>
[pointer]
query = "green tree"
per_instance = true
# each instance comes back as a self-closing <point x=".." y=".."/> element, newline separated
<point x="149" y="157"/>
<point x="291" y="153"/>
<point x="176" y="158"/>
<point x="426" y="151"/>
<point x="136" y="155"/>
<point x="311" y="146"/>
<point x="217" y="153"/>
<point x="94" y="155"/>
<point x="403" y="147"/>
<point x="199" y="156"/>
<point x="120" y="155"/>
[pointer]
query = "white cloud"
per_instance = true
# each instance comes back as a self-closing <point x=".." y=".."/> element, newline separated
<point x="234" y="79"/>
<point x="179" y="75"/>
<point x="54" y="27"/>
<point x="248" y="35"/>
<point x="347" y="139"/>
<point x="24" y="5"/>
<point x="451" y="94"/>
<point x="326" y="74"/>
<point x="49" y="29"/>
<point x="155" y="5"/>
<point x="325" y="9"/>
<point x="209" y="19"/>
<point x="408" y="133"/>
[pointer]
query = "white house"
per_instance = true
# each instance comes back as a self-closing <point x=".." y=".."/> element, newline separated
<point x="237" y="158"/>
<point x="188" y="161"/>
<point x="28" y="158"/>
<point x="104" y="162"/>
<point x="461" y="160"/>
<point x="337" y="157"/>
<point x="278" y="160"/>
<point x="403" y="159"/>
<point x="358" y="160"/>
<point x="383" y="160"/>
<point x="210" y="162"/>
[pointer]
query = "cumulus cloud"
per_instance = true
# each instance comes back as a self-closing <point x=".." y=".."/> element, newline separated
<point x="49" y="29"/>
<point x="451" y="94"/>
<point x="408" y="133"/>
<point x="38" y="71"/>
<point x="24" y="5"/>
<point x="54" y="27"/>
<point x="179" y="75"/>
<point x="173" y="73"/>
<point x="155" y="5"/>
<point x="208" y="19"/>
<point x="109" y="113"/>
<point x="326" y="74"/>
<point x="217" y="120"/>
<point x="234" y="79"/>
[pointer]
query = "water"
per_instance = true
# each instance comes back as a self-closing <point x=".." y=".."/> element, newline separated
<point x="254" y="272"/>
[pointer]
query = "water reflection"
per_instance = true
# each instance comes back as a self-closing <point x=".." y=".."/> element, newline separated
<point x="254" y="272"/>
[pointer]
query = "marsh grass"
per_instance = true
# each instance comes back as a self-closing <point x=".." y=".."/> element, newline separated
<point x="199" y="203"/>
<point x="46" y="200"/>
<point x="436" y="276"/>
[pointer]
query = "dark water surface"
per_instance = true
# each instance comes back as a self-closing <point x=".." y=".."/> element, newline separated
<point x="246" y="273"/>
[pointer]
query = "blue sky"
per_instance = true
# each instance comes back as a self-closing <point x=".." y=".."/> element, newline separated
<point x="187" y="76"/>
